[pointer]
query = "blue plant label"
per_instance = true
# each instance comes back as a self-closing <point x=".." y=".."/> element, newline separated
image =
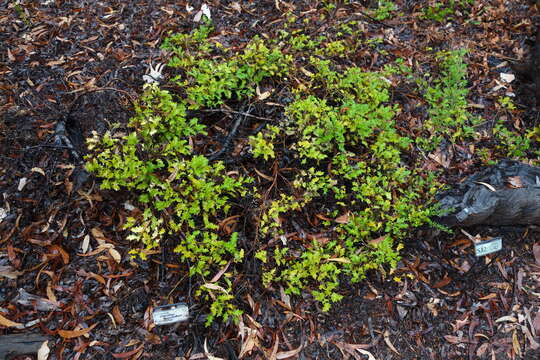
<point x="487" y="247"/>
<point x="170" y="314"/>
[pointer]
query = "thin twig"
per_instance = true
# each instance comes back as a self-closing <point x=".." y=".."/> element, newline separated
<point x="70" y="108"/>
<point x="360" y="12"/>
<point x="238" y="113"/>
<point x="231" y="135"/>
<point x="48" y="146"/>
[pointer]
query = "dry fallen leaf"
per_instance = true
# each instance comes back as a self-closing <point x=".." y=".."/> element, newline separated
<point x="69" y="334"/>
<point x="515" y="344"/>
<point x="38" y="170"/>
<point x="98" y="235"/>
<point x="63" y="253"/>
<point x="490" y="187"/>
<point x="50" y="292"/>
<point x="8" y="323"/>
<point x="43" y="352"/>
<point x="205" y="10"/>
<point x="506" y="318"/>
<point x="118" y="315"/>
<point x="443" y="282"/>
<point x="536" y="323"/>
<point x="236" y="6"/>
<point x="128" y="354"/>
<point x="343" y="219"/>
<point x="536" y="252"/>
<point x="367" y="353"/>
<point x="482" y="350"/>
<point x="288" y="354"/>
<point x="85" y="244"/>
<point x="22" y="183"/>
<point x="115" y="255"/>
<point x="8" y="272"/>
<point x="214" y="287"/>
<point x="489" y="296"/>
<point x="377" y="241"/>
<point x="10" y="56"/>
<point x="250" y="342"/>
<point x="507" y="78"/>
<point x="386" y="336"/>
<point x="453" y="339"/>
<point x="515" y="182"/>
<point x="208" y="354"/>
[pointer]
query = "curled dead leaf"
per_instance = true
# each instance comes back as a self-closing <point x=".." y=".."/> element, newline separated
<point x="340" y="260"/>
<point x="85" y="244"/>
<point x="367" y="353"/>
<point x="8" y="323"/>
<point x="453" y="339"/>
<point x="514" y="182"/>
<point x="118" y="315"/>
<point x="128" y="354"/>
<point x="507" y="78"/>
<point x="9" y="272"/>
<point x="43" y="352"/>
<point x="38" y="170"/>
<point x="290" y="353"/>
<point x="343" y="219"/>
<point x="214" y="287"/>
<point x="377" y="241"/>
<point x="69" y="334"/>
<point x="115" y="255"/>
<point x="490" y="187"/>
<point x="386" y="336"/>
<point x="98" y="235"/>
<point x="63" y="253"/>
<point x="443" y="282"/>
<point x="536" y="252"/>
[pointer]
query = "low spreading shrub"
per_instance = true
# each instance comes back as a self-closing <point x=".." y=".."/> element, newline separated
<point x="351" y="190"/>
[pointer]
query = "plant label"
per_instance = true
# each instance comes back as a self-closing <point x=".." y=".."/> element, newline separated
<point x="169" y="314"/>
<point x="486" y="247"/>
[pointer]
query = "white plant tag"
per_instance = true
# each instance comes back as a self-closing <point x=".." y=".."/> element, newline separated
<point x="169" y="314"/>
<point x="486" y="247"/>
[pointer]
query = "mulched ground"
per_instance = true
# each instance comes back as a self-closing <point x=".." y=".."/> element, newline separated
<point x="80" y="64"/>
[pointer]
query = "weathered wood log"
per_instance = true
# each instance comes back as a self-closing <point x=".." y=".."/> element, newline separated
<point x="20" y="344"/>
<point x="515" y="201"/>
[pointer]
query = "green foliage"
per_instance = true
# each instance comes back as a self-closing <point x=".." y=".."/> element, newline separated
<point x="385" y="9"/>
<point x="210" y="81"/>
<point x="510" y="143"/>
<point x="181" y="193"/>
<point x="22" y="13"/>
<point x="221" y="299"/>
<point x="350" y="163"/>
<point x="506" y="103"/>
<point x="263" y="143"/>
<point x="443" y="11"/>
<point x="446" y="96"/>
<point x="350" y="153"/>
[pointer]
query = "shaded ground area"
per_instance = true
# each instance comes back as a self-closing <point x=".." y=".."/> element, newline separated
<point x="80" y="64"/>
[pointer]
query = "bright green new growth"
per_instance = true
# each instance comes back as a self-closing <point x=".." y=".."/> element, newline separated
<point x="181" y="194"/>
<point x="351" y="154"/>
<point x="446" y="96"/>
<point x="349" y="168"/>
<point x="446" y="10"/>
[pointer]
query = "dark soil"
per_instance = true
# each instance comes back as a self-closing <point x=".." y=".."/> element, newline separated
<point x="80" y="64"/>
